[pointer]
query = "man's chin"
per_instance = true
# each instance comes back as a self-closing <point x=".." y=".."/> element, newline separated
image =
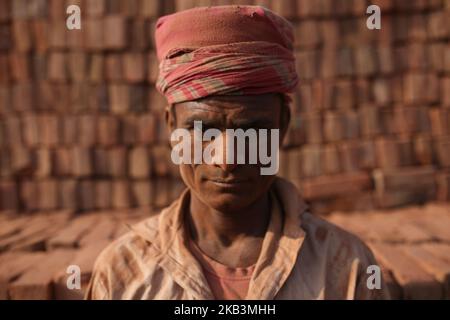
<point x="227" y="201"/>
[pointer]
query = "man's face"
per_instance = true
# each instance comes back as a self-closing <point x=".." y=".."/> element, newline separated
<point x="222" y="186"/>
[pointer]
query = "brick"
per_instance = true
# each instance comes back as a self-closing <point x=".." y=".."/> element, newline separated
<point x="417" y="57"/>
<point x="62" y="161"/>
<point x="96" y="69"/>
<point x="101" y="162"/>
<point x="443" y="187"/>
<point x="87" y="130"/>
<point x="357" y="155"/>
<point x="21" y="160"/>
<point x="409" y="120"/>
<point x="292" y="165"/>
<point x="411" y="178"/>
<point x="306" y="64"/>
<point x="385" y="59"/>
<point x="69" y="130"/>
<point x="333" y="185"/>
<point x="416" y="283"/>
<point x="417" y="27"/>
<point x="286" y="8"/>
<point x="146" y="131"/>
<point x="57" y="67"/>
<point x="330" y="159"/>
<point x="108" y="130"/>
<point x="119" y="98"/>
<point x="423" y="150"/>
<point x="307" y="34"/>
<point x="94" y="34"/>
<point x="48" y="194"/>
<point x="30" y="130"/>
<point x="49" y="129"/>
<point x="58" y="34"/>
<point x="161" y="160"/>
<point x="21" y="35"/>
<point x="57" y="9"/>
<point x="310" y="161"/>
<point x="9" y="197"/>
<point x="393" y="153"/>
<point x="129" y="129"/>
<point x="345" y="60"/>
<point x="382" y="93"/>
<point x="436" y="56"/>
<point x="139" y="162"/>
<point x="29" y="195"/>
<point x="43" y="163"/>
<point x="22" y="96"/>
<point x="113" y="67"/>
<point x="5" y="10"/>
<point x="138" y="98"/>
<point x="87" y="195"/>
<point x="118" y="161"/>
<point x="440" y="121"/>
<point x="40" y="35"/>
<point x="333" y="126"/>
<point x="5" y="76"/>
<point x="121" y="194"/>
<point x="150" y="9"/>
<point x="445" y="91"/>
<point x="77" y="66"/>
<point x="116" y="33"/>
<point x="421" y="88"/>
<point x="103" y="194"/>
<point x="330" y="32"/>
<point x="365" y="60"/>
<point x="82" y="161"/>
<point x="442" y="146"/>
<point x="308" y="9"/>
<point x="68" y="194"/>
<point x="140" y="38"/>
<point x="36" y="284"/>
<point x="313" y="127"/>
<point x="19" y="66"/>
<point x="328" y="63"/>
<point x="95" y="8"/>
<point x="437" y="26"/>
<point x="153" y="67"/>
<point x="142" y="193"/>
<point x="162" y="193"/>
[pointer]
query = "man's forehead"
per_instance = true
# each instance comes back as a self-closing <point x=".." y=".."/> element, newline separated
<point x="267" y="103"/>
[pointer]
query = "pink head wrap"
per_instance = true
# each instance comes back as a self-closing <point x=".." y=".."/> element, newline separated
<point x="224" y="50"/>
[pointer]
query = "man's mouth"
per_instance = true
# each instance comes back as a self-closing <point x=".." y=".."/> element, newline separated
<point x="228" y="182"/>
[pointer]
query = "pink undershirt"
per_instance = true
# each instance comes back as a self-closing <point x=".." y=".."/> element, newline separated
<point x="226" y="283"/>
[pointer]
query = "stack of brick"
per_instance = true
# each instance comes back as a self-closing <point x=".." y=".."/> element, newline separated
<point x="38" y="253"/>
<point x="82" y="127"/>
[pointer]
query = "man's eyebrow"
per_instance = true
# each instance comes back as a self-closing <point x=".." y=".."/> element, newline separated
<point x="252" y="123"/>
<point x="189" y="121"/>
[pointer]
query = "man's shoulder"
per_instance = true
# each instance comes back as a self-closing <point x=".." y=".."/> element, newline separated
<point x="336" y="240"/>
<point x="133" y="244"/>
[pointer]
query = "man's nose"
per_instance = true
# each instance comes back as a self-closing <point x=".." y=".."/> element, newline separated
<point x="221" y="159"/>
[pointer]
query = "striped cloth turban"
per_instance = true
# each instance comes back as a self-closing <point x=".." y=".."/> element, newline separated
<point x="224" y="50"/>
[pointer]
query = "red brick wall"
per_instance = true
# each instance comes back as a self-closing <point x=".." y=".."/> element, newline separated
<point x="81" y="125"/>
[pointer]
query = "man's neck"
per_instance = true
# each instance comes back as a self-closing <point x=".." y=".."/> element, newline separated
<point x="221" y="233"/>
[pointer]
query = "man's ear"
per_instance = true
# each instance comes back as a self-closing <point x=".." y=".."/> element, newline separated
<point x="169" y="115"/>
<point x="285" y="120"/>
<point x="170" y="118"/>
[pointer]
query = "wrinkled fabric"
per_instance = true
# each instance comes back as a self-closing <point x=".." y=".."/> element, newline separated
<point x="302" y="257"/>
<point x="224" y="50"/>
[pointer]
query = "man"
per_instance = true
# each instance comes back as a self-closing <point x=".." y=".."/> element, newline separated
<point x="234" y="233"/>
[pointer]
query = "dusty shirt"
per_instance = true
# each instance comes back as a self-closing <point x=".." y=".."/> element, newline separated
<point x="302" y="257"/>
